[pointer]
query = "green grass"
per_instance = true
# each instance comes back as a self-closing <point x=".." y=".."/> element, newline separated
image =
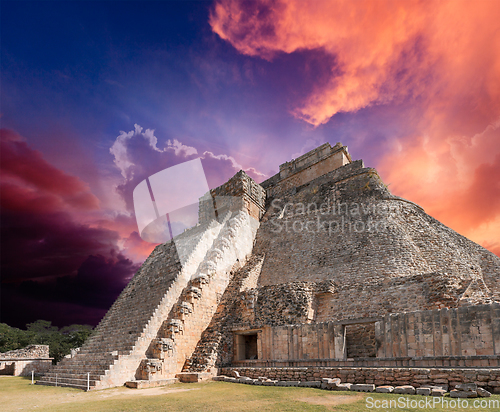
<point x="17" y="394"/>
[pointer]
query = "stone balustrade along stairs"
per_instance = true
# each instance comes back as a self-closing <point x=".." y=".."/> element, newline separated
<point x="208" y="349"/>
<point x="196" y="306"/>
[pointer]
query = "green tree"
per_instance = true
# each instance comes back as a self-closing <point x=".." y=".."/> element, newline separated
<point x="12" y="338"/>
<point x="41" y="332"/>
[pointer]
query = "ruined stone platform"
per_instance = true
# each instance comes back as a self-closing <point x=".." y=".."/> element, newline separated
<point x="143" y="384"/>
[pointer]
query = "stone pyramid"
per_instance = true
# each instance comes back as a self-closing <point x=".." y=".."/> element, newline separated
<point x="323" y="240"/>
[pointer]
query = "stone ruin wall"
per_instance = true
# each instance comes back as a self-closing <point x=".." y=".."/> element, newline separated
<point x="29" y="352"/>
<point x="465" y="336"/>
<point x="466" y="331"/>
<point x="22" y="362"/>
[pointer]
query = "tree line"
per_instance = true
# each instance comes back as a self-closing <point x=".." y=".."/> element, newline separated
<point x="41" y="332"/>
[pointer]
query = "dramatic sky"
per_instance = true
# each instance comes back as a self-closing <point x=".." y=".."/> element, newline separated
<point x="96" y="96"/>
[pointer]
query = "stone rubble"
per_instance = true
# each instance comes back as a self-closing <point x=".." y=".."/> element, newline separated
<point x="464" y="390"/>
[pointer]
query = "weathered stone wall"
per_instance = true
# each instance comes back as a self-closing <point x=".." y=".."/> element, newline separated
<point x="360" y="341"/>
<point x="487" y="378"/>
<point x="466" y="331"/>
<point x="384" y="254"/>
<point x="24" y="367"/>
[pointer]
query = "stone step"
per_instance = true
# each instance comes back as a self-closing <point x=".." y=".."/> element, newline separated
<point x="69" y="370"/>
<point x="75" y="363"/>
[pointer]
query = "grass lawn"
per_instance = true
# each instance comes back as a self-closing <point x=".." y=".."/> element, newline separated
<point x="18" y="394"/>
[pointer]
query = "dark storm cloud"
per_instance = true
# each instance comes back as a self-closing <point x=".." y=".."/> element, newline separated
<point x="49" y="252"/>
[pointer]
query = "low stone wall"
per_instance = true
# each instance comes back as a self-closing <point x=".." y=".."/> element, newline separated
<point x="484" y="377"/>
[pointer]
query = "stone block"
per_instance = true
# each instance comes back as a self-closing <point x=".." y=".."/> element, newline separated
<point x="330" y="383"/>
<point x="244" y="379"/>
<point x="257" y="382"/>
<point x="292" y="383"/>
<point x="363" y="387"/>
<point x="384" y="389"/>
<point x="230" y="379"/>
<point x="405" y="390"/>
<point x="483" y="393"/>
<point x="219" y="378"/>
<point x="424" y="391"/>
<point x="437" y="392"/>
<point x="269" y="382"/>
<point x="466" y="387"/>
<point x="343" y="387"/>
<point x="310" y="384"/>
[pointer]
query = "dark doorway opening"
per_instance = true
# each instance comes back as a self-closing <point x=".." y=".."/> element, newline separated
<point x="250" y="346"/>
<point x="246" y="347"/>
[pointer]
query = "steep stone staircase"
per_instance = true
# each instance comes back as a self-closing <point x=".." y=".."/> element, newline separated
<point x="111" y="356"/>
<point x="156" y="322"/>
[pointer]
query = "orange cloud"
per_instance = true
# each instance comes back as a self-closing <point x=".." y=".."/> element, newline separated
<point x="383" y="48"/>
<point x="441" y="57"/>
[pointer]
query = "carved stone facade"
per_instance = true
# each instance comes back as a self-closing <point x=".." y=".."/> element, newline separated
<point x="319" y="266"/>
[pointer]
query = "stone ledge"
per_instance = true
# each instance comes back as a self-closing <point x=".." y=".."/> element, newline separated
<point x="143" y="384"/>
<point x="193" y="377"/>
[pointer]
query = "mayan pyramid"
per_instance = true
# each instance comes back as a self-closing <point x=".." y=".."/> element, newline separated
<point x="322" y="248"/>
